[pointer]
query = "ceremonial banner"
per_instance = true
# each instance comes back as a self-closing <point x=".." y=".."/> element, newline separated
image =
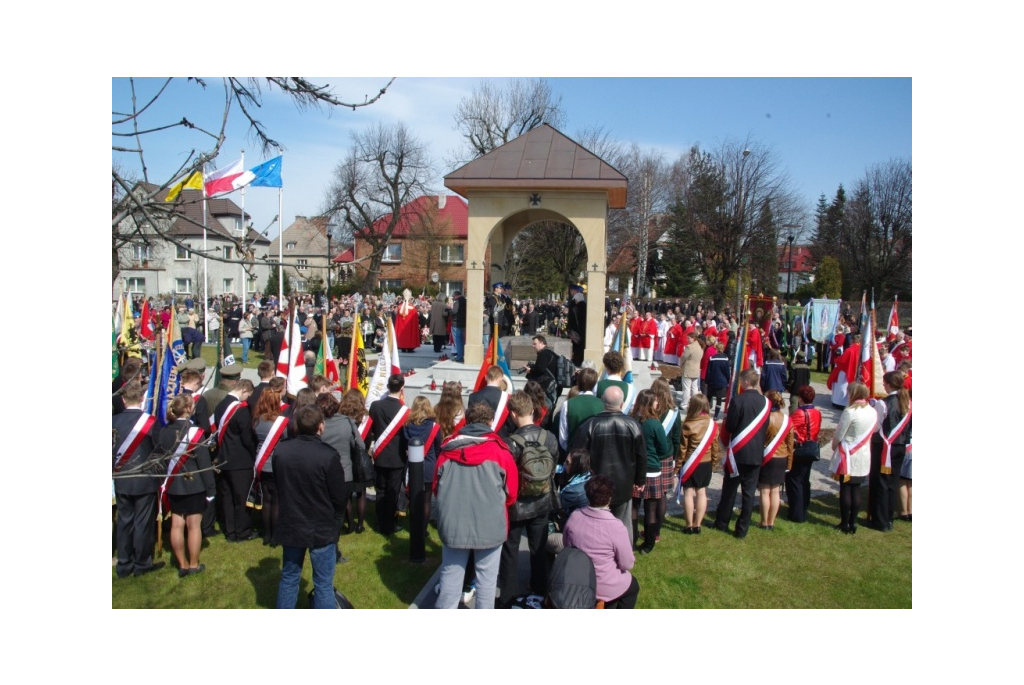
<point x="761" y="309"/>
<point x="358" y="373"/>
<point x="379" y="381"/>
<point x="822" y="319"/>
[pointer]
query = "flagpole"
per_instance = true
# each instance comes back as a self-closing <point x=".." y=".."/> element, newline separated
<point x="206" y="273"/>
<point x="280" y="245"/>
<point x="241" y="242"/>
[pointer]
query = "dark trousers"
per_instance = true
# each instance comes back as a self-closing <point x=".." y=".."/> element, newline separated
<point x="747" y="479"/>
<point x="508" y="569"/>
<point x="883" y="488"/>
<point x="798" y="488"/>
<point x="136" y="530"/>
<point x="237" y="519"/>
<point x="627" y="600"/>
<point x="440" y="341"/>
<point x="271" y="510"/>
<point x="388" y="484"/>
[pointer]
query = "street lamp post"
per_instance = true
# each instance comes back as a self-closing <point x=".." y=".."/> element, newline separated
<point x="789" y="270"/>
<point x="329" y="266"/>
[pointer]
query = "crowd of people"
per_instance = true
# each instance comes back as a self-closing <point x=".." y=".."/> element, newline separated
<point x="593" y="472"/>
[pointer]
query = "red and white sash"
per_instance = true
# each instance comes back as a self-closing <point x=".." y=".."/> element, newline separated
<point x="843" y="467"/>
<point x="669" y="421"/>
<point x="364" y="427"/>
<point x="691" y="464"/>
<point x="178" y="459"/>
<point x="769" y="449"/>
<point x="430" y="438"/>
<point x="390" y="432"/>
<point x="460" y="424"/>
<point x="131" y="443"/>
<point x="887" y="441"/>
<point x="743" y="437"/>
<point x="226" y="419"/>
<point x="267" y="448"/>
<point x="501" y="413"/>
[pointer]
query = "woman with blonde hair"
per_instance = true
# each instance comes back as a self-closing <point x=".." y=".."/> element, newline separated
<point x="189" y="494"/>
<point x="659" y="468"/>
<point x="778" y="449"/>
<point x="423" y="425"/>
<point x="700" y="453"/>
<point x="851" y="457"/>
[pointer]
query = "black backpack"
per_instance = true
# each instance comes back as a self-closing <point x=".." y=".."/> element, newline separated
<point x="566" y="374"/>
<point x="536" y="466"/>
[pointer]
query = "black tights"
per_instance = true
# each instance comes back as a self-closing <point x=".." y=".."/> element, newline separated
<point x="849" y="504"/>
<point x="654" y="516"/>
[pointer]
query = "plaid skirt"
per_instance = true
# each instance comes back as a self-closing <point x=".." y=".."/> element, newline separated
<point x="662" y="485"/>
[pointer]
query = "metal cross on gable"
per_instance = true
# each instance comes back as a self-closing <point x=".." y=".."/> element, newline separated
<point x="535" y="199"/>
<point x="472" y="265"/>
<point x="594" y="265"/>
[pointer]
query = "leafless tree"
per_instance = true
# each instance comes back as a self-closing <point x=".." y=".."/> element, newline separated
<point x="492" y="116"/>
<point x="648" y="197"/>
<point x="386" y="168"/>
<point x="138" y="203"/>
<point x="729" y="206"/>
<point x="877" y="243"/>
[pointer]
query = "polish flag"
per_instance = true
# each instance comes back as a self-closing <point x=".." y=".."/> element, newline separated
<point x="225" y="180"/>
<point x="292" y="362"/>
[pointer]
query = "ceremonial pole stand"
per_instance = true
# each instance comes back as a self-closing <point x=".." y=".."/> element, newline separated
<point x="417" y="526"/>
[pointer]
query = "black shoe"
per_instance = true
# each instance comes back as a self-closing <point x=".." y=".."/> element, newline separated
<point x="251" y="536"/>
<point x="695" y="531"/>
<point x="359" y="529"/>
<point x="185" y="572"/>
<point x="853" y="530"/>
<point x="688" y="531"/>
<point x="739" y="536"/>
<point x="645" y="550"/>
<point x="149" y="569"/>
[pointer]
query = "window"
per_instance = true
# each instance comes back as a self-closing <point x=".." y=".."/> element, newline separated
<point x="183" y="285"/>
<point x="449" y="287"/>
<point x="137" y="285"/>
<point x="140" y="252"/>
<point x="301" y="264"/>
<point x="299" y="284"/>
<point x="250" y="286"/>
<point x="452" y="254"/>
<point x="289" y="246"/>
<point x="393" y="252"/>
<point x="786" y="266"/>
<point x="391" y="284"/>
<point x="229" y="284"/>
<point x="227" y="252"/>
<point x="183" y="253"/>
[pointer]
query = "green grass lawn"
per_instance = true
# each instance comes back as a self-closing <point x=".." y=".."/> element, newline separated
<point x="808" y="565"/>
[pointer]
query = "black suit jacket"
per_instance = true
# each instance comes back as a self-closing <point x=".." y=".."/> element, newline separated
<point x="122" y="426"/>
<point x="743" y="409"/>
<point x="545" y="368"/>
<point x="238" y="447"/>
<point x="491" y="395"/>
<point x="275" y="342"/>
<point x="381" y="413"/>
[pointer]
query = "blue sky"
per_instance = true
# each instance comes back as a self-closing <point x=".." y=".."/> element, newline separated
<point x="825" y="131"/>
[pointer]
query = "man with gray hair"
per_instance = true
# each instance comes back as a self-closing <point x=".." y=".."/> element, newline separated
<point x="617" y="450"/>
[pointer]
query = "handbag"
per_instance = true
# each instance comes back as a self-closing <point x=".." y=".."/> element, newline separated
<point x="362" y="464"/>
<point x="809" y="448"/>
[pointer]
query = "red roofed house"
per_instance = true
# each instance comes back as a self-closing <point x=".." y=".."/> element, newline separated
<point x="429" y="239"/>
<point x="795" y="270"/>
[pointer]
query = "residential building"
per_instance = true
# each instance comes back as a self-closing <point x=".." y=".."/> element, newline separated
<point x="152" y="265"/>
<point x="303" y="252"/>
<point x="796" y="267"/>
<point x="429" y="239"/>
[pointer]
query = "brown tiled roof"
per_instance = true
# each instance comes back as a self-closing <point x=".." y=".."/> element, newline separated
<point x="541" y="159"/>
<point x="189" y="204"/>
